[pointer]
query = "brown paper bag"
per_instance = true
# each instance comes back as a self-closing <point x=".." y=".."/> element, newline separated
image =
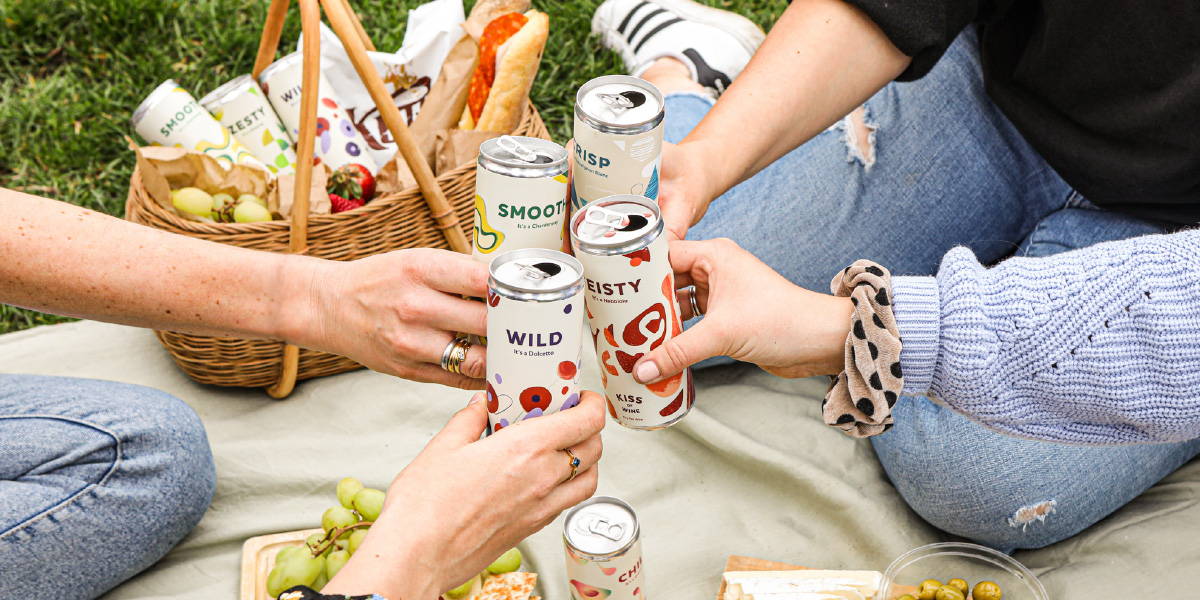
<point x="456" y="147"/>
<point x="444" y="104"/>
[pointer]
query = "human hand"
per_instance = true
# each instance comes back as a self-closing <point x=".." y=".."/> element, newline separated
<point x="752" y="314"/>
<point x="682" y="192"/>
<point x="396" y="312"/>
<point x="463" y="501"/>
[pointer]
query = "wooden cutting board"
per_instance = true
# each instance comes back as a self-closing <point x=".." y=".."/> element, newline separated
<point x="258" y="558"/>
<point x="746" y="563"/>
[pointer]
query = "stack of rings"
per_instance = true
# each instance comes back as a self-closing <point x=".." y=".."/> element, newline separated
<point x="695" y="303"/>
<point x="455" y="354"/>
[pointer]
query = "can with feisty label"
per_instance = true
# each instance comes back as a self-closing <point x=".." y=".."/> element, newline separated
<point x="618" y="139"/>
<point x="240" y="105"/>
<point x="631" y="306"/>
<point x="602" y="538"/>
<point x="535" y="331"/>
<point x="170" y="116"/>
<point x="339" y="142"/>
<point x="520" y="195"/>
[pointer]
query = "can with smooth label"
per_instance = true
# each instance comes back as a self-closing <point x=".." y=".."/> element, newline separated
<point x="535" y="331"/>
<point x="520" y="195"/>
<point x="618" y="139"/>
<point x="631" y="306"/>
<point x="170" y="116"/>
<point x="241" y="106"/>
<point x="602" y="538"/>
<point x="339" y="142"/>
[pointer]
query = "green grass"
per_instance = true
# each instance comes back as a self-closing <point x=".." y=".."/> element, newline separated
<point x="72" y="71"/>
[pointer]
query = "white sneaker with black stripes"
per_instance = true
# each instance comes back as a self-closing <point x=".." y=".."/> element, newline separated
<point x="714" y="44"/>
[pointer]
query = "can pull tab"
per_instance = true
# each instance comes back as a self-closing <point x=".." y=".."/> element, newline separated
<point x="533" y="272"/>
<point x="604" y="528"/>
<point x="610" y="220"/>
<point x="616" y="101"/>
<point x="509" y="144"/>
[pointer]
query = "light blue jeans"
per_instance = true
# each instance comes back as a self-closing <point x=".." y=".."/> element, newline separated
<point x="948" y="170"/>
<point x="98" y="480"/>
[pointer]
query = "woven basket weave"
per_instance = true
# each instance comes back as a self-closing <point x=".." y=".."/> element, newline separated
<point x="388" y="222"/>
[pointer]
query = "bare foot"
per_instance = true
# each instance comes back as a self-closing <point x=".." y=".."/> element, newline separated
<point x="670" y="75"/>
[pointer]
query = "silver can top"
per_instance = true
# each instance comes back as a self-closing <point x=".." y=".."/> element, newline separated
<point x="284" y="62"/>
<point x="217" y="98"/>
<point x="536" y="274"/>
<point x="620" y="104"/>
<point x="155" y="97"/>
<point x="521" y="156"/>
<point x="616" y="224"/>
<point x="601" y="527"/>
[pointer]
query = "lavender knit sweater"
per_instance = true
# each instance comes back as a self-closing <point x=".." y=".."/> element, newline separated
<point x="1097" y="346"/>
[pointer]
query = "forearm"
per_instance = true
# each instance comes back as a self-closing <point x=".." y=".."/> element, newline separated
<point x="67" y="260"/>
<point x="1093" y="346"/>
<point x="822" y="59"/>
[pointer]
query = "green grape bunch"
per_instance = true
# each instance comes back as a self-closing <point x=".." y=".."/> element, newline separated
<point x="322" y="555"/>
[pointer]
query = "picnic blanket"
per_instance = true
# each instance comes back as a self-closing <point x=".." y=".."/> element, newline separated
<point x="751" y="471"/>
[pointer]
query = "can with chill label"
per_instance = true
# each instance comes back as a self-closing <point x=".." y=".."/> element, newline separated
<point x="339" y="142"/>
<point x="631" y="306"/>
<point x="618" y="139"/>
<point x="241" y="106"/>
<point x="535" y="335"/>
<point x="520" y="196"/>
<point x="170" y="116"/>
<point x="602" y="539"/>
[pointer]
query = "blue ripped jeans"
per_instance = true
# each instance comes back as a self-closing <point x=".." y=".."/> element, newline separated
<point x="946" y="169"/>
<point x="98" y="480"/>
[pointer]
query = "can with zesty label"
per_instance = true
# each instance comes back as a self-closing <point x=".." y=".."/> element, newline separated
<point x="520" y="195"/>
<point x="618" y="139"/>
<point x="631" y="306"/>
<point x="170" y="116"/>
<point x="602" y="538"/>
<point x="535" y="331"/>
<point x="339" y="142"/>
<point x="240" y="105"/>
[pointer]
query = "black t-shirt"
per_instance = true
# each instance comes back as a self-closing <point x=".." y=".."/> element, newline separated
<point x="1107" y="91"/>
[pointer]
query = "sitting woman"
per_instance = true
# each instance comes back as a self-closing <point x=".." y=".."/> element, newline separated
<point x="1014" y="129"/>
<point x="86" y="460"/>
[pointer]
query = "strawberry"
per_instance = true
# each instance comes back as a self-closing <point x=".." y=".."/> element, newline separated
<point x="353" y="182"/>
<point x="342" y="204"/>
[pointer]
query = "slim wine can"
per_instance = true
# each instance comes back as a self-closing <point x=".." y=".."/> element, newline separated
<point x="602" y="538"/>
<point x="241" y="106"/>
<point x="520" y="196"/>
<point x="535" y="335"/>
<point x="631" y="306"/>
<point x="170" y="116"/>
<point x="618" y="139"/>
<point x="339" y="142"/>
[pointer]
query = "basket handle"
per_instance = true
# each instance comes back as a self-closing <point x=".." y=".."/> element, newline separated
<point x="354" y="38"/>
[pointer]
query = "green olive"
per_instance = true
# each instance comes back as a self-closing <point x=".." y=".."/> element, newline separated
<point x="948" y="593"/>
<point x="928" y="589"/>
<point x="960" y="584"/>
<point x="986" y="590"/>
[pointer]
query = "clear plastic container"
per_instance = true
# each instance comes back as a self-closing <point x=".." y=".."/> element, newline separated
<point x="971" y="562"/>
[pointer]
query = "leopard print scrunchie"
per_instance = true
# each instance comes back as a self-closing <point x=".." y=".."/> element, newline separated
<point x="861" y="397"/>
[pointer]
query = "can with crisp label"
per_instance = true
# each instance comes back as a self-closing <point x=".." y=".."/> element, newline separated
<point x="170" y="116"/>
<point x="520" y="195"/>
<point x="339" y="142"/>
<point x="631" y="306"/>
<point x="618" y="139"/>
<point x="535" y="331"/>
<point x="602" y="538"/>
<point x="241" y="106"/>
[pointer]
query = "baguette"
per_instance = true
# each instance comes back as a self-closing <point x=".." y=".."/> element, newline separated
<point x="508" y="62"/>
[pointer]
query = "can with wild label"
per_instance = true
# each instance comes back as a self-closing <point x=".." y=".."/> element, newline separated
<point x="602" y="539"/>
<point x="631" y="306"/>
<point x="535" y="331"/>
<point x="520" y="196"/>
<point x="618" y="139"/>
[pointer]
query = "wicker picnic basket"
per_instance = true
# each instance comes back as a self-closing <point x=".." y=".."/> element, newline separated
<point x="438" y="213"/>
